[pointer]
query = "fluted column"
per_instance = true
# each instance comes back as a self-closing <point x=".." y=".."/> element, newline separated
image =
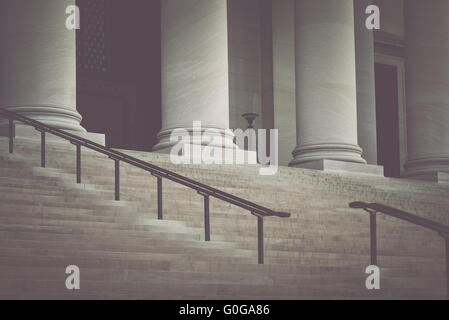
<point x="365" y="75"/>
<point x="427" y="86"/>
<point x="38" y="62"/>
<point x="326" y="99"/>
<point x="195" y="81"/>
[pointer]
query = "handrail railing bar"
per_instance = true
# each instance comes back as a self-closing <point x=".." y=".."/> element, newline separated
<point x="399" y="214"/>
<point x="109" y="152"/>
<point x="149" y="167"/>
<point x="373" y="208"/>
<point x="198" y="186"/>
<point x="137" y="162"/>
<point x="160" y="173"/>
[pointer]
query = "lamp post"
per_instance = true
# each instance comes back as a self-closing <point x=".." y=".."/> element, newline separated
<point x="250" y="117"/>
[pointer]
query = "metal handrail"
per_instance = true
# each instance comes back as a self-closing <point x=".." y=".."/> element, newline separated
<point x="160" y="173"/>
<point x="374" y="208"/>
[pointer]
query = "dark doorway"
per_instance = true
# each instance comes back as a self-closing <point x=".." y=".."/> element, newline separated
<point x="387" y="109"/>
<point x="118" y="71"/>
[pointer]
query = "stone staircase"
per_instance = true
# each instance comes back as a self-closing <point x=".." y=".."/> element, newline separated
<point x="48" y="222"/>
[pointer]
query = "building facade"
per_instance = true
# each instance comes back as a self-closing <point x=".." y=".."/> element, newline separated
<point x="339" y="94"/>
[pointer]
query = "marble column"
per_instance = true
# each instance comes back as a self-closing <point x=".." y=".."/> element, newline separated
<point x="38" y="62"/>
<point x="326" y="99"/>
<point x="284" y="92"/>
<point x="195" y="74"/>
<point x="366" y="88"/>
<point x="427" y="87"/>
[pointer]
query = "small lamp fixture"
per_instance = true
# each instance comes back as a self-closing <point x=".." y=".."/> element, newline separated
<point x="250" y="117"/>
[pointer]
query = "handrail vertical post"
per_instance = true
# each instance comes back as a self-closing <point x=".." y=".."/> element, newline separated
<point x="206" y="218"/>
<point x="11" y="135"/>
<point x="260" y="239"/>
<point x="42" y="148"/>
<point x="78" y="163"/>
<point x="160" y="214"/>
<point x="446" y="238"/>
<point x="117" y="180"/>
<point x="373" y="232"/>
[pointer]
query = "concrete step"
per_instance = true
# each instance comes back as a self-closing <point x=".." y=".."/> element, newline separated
<point x="209" y="291"/>
<point x="114" y="246"/>
<point x="47" y="222"/>
<point x="177" y="277"/>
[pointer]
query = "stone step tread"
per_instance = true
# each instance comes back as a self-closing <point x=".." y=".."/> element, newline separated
<point x="225" y="221"/>
<point x="58" y="146"/>
<point x="126" y="239"/>
<point x="383" y="182"/>
<point x="318" y="234"/>
<point x="215" y="266"/>
<point x="160" y="277"/>
<point x="96" y="253"/>
<point x="110" y="178"/>
<point x="240" y="236"/>
<point x="295" y="250"/>
<point x="184" y="259"/>
<point x="187" y="217"/>
<point x="149" y="289"/>
<point x="168" y="247"/>
<point x="56" y="230"/>
<point x="118" y="246"/>
<point x="305" y="274"/>
<point x="151" y="194"/>
<point x="143" y="224"/>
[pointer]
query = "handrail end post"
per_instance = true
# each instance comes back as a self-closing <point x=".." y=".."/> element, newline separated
<point x="260" y="240"/>
<point x="446" y="239"/>
<point x="11" y="135"/>
<point x="206" y="218"/>
<point x="373" y="237"/>
<point x="117" y="180"/>
<point x="43" y="152"/>
<point x="78" y="164"/>
<point x="160" y="214"/>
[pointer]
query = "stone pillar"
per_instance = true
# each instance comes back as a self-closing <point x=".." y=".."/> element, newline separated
<point x="38" y="62"/>
<point x="284" y="92"/>
<point x="366" y="87"/>
<point x="195" y="75"/>
<point x="326" y="99"/>
<point x="427" y="87"/>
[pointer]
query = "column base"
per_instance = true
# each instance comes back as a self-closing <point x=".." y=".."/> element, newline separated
<point x="439" y="177"/>
<point x="435" y="169"/>
<point x="187" y="153"/>
<point x="206" y="136"/>
<point x="343" y="166"/>
<point x="331" y="151"/>
<point x="60" y="117"/>
<point x="428" y="168"/>
<point x="27" y="132"/>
